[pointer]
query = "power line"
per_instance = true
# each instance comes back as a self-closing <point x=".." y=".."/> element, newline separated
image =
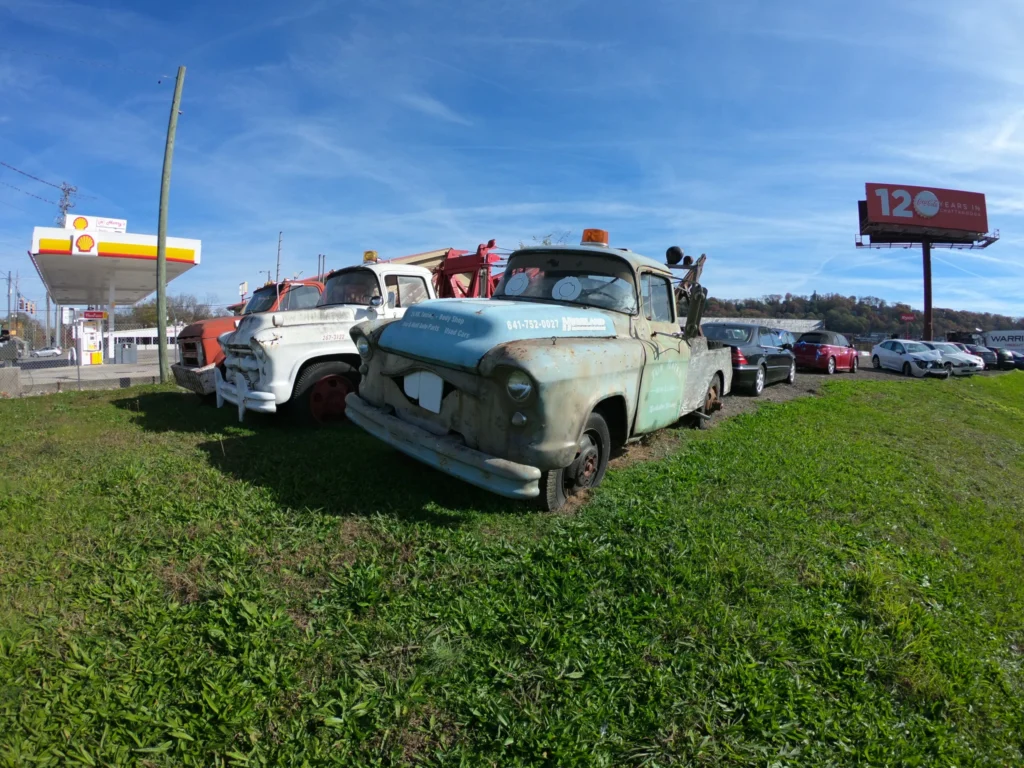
<point x="37" y="197"/>
<point x="88" y="62"/>
<point x="36" y="178"/>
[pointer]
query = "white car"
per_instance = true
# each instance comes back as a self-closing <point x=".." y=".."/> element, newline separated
<point x="912" y="358"/>
<point x="955" y="361"/>
<point x="47" y="352"/>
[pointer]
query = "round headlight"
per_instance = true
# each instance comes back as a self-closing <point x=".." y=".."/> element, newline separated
<point x="363" y="347"/>
<point x="519" y="385"/>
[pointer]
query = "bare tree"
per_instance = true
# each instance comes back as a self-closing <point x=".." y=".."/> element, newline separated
<point x="558" y="237"/>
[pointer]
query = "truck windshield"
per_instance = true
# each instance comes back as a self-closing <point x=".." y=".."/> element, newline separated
<point x="357" y="286"/>
<point x="261" y="301"/>
<point x="568" y="277"/>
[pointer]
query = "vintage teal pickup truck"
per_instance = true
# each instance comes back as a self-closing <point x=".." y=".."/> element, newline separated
<point x="527" y="394"/>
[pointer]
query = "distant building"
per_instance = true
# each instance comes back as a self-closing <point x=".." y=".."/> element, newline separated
<point x="784" y="324"/>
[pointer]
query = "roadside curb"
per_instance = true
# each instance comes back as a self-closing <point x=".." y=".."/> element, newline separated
<point x="55" y="387"/>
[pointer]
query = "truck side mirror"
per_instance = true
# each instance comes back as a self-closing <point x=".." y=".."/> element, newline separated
<point x="391" y="299"/>
<point x="376" y="301"/>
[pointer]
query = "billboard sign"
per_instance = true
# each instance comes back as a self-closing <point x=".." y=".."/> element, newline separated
<point x="907" y="318"/>
<point x="97" y="223"/>
<point x="930" y="207"/>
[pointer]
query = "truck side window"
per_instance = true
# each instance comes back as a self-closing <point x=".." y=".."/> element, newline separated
<point x="408" y="290"/>
<point x="657" y="297"/>
<point x="302" y="297"/>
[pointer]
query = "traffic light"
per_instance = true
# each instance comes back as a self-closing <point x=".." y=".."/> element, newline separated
<point x="21" y="304"/>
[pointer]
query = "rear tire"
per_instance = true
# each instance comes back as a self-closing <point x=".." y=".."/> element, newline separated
<point x="876" y="363"/>
<point x="320" y="392"/>
<point x="712" y="402"/>
<point x="791" y="379"/>
<point x="831" y="369"/>
<point x="758" y="386"/>
<point x="587" y="470"/>
<point x="854" y="365"/>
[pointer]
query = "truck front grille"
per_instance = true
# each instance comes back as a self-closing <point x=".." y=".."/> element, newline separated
<point x="191" y="353"/>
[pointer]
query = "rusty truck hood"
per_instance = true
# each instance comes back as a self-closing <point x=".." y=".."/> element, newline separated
<point x="210" y="328"/>
<point x="459" y="332"/>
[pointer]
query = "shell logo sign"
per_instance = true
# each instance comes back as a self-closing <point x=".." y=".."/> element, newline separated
<point x="85" y="244"/>
<point x="96" y="224"/>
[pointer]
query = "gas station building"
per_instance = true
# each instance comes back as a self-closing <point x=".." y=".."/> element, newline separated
<point x="95" y="261"/>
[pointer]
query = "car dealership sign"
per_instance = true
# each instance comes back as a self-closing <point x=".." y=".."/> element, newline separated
<point x="926" y="207"/>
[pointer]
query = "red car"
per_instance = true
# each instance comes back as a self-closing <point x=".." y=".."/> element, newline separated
<point x="826" y="351"/>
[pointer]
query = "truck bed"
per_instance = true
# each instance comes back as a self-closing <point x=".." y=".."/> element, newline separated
<point x="705" y="361"/>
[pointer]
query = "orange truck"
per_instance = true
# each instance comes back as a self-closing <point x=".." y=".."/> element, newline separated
<point x="199" y="352"/>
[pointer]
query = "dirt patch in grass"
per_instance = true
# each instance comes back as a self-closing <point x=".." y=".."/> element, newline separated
<point x="183" y="582"/>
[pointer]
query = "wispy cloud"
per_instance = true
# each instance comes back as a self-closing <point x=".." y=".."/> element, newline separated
<point x="430" y="106"/>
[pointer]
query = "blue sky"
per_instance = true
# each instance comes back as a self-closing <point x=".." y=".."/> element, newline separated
<point x="743" y="129"/>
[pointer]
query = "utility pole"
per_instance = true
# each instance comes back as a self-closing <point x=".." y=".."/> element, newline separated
<point x="161" y="232"/>
<point x="926" y="255"/>
<point x="65" y="204"/>
<point x="8" y="300"/>
<point x="277" y="275"/>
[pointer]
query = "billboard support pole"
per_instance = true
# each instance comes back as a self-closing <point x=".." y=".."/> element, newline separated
<point x="161" y="232"/>
<point x="926" y="255"/>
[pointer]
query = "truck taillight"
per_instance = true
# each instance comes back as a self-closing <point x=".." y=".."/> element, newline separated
<point x="737" y="357"/>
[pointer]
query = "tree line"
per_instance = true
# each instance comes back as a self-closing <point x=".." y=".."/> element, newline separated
<point x="181" y="308"/>
<point x="859" y="316"/>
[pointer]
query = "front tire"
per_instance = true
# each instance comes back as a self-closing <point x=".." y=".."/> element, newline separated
<point x="320" y="392"/>
<point x="587" y="470"/>
<point x="907" y="370"/>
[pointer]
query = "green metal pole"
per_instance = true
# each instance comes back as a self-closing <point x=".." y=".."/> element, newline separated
<point x="161" y="232"/>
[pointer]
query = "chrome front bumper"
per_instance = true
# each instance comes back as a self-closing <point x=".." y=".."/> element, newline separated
<point x="199" y="380"/>
<point x="500" y="476"/>
<point x="237" y="392"/>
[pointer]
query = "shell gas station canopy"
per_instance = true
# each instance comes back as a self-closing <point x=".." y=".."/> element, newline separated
<point x="94" y="260"/>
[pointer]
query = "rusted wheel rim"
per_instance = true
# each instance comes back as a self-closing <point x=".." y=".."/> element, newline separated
<point x="583" y="472"/>
<point x="327" y="398"/>
<point x="711" y="401"/>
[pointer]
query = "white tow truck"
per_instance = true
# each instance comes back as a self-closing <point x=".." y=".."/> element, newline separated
<point x="304" y="361"/>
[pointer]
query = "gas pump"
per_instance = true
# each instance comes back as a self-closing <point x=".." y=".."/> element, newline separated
<point x="89" y="341"/>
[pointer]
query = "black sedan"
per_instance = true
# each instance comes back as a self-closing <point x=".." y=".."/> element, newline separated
<point x="1005" y="359"/>
<point x="759" y="354"/>
<point x="1018" y="361"/>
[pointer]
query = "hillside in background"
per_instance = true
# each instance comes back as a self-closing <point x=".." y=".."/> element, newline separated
<point x="848" y="314"/>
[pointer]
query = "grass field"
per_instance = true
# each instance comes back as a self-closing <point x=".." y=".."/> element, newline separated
<point x="831" y="581"/>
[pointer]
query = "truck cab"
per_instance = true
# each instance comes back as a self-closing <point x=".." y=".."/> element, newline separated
<point x="527" y="394"/>
<point x="304" y="360"/>
<point x="199" y="352"/>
